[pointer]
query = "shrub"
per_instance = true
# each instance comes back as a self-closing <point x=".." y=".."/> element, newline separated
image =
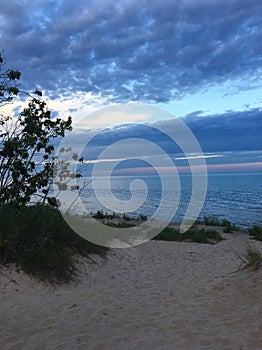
<point x="169" y="234"/>
<point x="195" y="235"/>
<point x="254" y="259"/>
<point x="256" y="232"/>
<point x="120" y="224"/>
<point x="211" y="221"/>
<point x="229" y="227"/>
<point x="192" y="235"/>
<point x="38" y="240"/>
<point x="213" y="235"/>
<point x="214" y="221"/>
<point x="100" y="215"/>
<point x="126" y="217"/>
<point x="142" y="217"/>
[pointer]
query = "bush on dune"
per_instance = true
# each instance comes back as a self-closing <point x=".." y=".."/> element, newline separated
<point x="256" y="232"/>
<point x="192" y="235"/>
<point x="211" y="220"/>
<point x="214" y="221"/>
<point x="35" y="238"/>
<point x="38" y="240"/>
<point x="253" y="259"/>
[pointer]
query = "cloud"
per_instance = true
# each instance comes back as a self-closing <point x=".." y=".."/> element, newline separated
<point x="135" y="169"/>
<point x="207" y="156"/>
<point x="152" y="51"/>
<point x="230" y="131"/>
<point x="232" y="137"/>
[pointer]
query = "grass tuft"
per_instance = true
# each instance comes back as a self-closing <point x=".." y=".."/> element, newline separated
<point x="192" y="235"/>
<point x="214" y="221"/>
<point x="256" y="232"/>
<point x="37" y="240"/>
<point x="254" y="259"/>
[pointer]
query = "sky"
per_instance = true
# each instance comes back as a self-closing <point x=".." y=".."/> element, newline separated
<point x="200" y="60"/>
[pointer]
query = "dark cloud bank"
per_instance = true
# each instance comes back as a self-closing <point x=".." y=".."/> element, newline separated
<point x="141" y="50"/>
<point x="132" y="49"/>
<point x="229" y="132"/>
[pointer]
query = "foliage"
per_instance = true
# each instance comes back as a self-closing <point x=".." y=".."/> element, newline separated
<point x="100" y="214"/>
<point x="254" y="259"/>
<point x="122" y="224"/>
<point x="167" y="234"/>
<point x="211" y="221"/>
<point x="26" y="155"/>
<point x="142" y="217"/>
<point x="192" y="235"/>
<point x="229" y="227"/>
<point x="63" y="176"/>
<point x="8" y="83"/>
<point x="38" y="240"/>
<point x="214" y="221"/>
<point x="35" y="238"/>
<point x="26" y="152"/>
<point x="256" y="232"/>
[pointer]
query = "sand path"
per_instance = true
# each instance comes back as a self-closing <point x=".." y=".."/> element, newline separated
<point x="160" y="295"/>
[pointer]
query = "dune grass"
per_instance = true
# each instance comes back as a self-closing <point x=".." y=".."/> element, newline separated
<point x="103" y="215"/>
<point x="168" y="233"/>
<point x="214" y="221"/>
<point x="192" y="235"/>
<point x="256" y="232"/>
<point x="37" y="240"/>
<point x="253" y="259"/>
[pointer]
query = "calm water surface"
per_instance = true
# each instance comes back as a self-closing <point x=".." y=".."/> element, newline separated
<point x="234" y="196"/>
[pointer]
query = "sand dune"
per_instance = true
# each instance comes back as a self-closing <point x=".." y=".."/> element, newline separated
<point x="159" y="295"/>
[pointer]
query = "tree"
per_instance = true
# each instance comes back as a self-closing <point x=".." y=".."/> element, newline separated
<point x="8" y="83"/>
<point x="26" y="151"/>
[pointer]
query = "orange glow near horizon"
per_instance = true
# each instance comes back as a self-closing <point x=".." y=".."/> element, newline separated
<point x="211" y="168"/>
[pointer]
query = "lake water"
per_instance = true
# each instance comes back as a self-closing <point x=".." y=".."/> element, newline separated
<point x="234" y="196"/>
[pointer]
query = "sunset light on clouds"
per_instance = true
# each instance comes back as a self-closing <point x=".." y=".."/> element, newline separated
<point x="198" y="60"/>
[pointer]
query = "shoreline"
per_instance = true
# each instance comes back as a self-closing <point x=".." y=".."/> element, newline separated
<point x="109" y="217"/>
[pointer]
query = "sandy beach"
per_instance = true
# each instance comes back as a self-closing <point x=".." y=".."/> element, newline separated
<point x="160" y="295"/>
